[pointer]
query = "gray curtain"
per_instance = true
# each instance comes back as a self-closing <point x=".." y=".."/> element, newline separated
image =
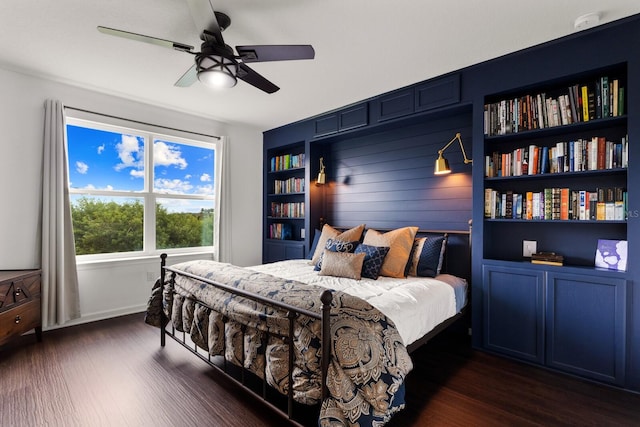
<point x="60" y="296"/>
<point x="221" y="226"/>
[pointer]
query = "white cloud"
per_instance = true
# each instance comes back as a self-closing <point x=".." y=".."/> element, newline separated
<point x="204" y="190"/>
<point x="82" y="167"/>
<point x="205" y="177"/>
<point x="129" y="152"/>
<point x="136" y="173"/>
<point x="168" y="155"/>
<point x="101" y="149"/>
<point x="173" y="186"/>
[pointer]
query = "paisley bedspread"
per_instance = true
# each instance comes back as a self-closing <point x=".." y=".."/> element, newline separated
<point x="368" y="359"/>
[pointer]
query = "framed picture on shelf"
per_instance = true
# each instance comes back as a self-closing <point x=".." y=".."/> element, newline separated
<point x="612" y="254"/>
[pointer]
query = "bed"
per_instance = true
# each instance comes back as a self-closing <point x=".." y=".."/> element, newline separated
<point x="338" y="328"/>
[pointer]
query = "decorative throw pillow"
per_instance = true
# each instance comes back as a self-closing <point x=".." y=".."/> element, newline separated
<point x="400" y="242"/>
<point x="428" y="254"/>
<point x="342" y="264"/>
<point x="328" y="232"/>
<point x="373" y="259"/>
<point x="336" y="246"/>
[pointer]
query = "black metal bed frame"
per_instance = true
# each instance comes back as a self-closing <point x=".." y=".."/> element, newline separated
<point x="464" y="250"/>
<point x="292" y="313"/>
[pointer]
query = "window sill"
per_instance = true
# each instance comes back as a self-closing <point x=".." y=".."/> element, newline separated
<point x="88" y="261"/>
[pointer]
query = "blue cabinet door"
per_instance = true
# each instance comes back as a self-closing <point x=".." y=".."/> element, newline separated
<point x="586" y="325"/>
<point x="513" y="312"/>
<point x="280" y="250"/>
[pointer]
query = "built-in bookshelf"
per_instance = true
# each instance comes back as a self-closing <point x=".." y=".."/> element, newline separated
<point x="556" y="153"/>
<point x="285" y="186"/>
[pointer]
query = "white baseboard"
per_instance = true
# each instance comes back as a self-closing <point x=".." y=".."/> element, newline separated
<point x="94" y="317"/>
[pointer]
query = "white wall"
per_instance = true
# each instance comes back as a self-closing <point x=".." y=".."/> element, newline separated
<point x="109" y="289"/>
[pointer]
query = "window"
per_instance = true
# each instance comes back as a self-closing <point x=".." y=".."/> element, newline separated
<point x="136" y="192"/>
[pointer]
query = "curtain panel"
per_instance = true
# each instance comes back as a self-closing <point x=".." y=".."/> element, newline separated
<point x="60" y="294"/>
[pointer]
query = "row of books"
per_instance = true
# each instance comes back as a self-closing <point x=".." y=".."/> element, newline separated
<point x="281" y="231"/>
<point x="604" y="204"/>
<point x="580" y="155"/>
<point x="601" y="98"/>
<point x="287" y="210"/>
<point x="291" y="185"/>
<point x="287" y="161"/>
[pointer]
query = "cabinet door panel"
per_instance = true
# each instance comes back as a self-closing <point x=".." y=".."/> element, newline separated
<point x="281" y="250"/>
<point x="438" y="93"/>
<point x="394" y="105"/>
<point x="326" y="125"/>
<point x="513" y="313"/>
<point x="354" y="117"/>
<point x="585" y="325"/>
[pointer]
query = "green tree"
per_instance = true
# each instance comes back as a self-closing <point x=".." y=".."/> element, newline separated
<point x="108" y="227"/>
<point x="104" y="227"/>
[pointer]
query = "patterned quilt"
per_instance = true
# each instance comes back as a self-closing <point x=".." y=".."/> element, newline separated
<point x="368" y="359"/>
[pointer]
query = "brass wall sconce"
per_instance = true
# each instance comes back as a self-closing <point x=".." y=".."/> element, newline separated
<point x="322" y="177"/>
<point x="442" y="165"/>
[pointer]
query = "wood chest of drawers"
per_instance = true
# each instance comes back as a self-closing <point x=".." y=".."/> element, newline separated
<point x="20" y="306"/>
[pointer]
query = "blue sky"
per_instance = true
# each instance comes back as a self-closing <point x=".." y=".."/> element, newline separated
<point x="112" y="161"/>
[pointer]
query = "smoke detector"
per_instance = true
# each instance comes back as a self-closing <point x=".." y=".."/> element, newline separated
<point x="586" y="21"/>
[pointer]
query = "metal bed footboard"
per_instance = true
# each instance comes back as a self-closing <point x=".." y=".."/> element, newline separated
<point x="292" y="313"/>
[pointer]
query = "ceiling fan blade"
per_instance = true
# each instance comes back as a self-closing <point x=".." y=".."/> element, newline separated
<point x="264" y="53"/>
<point x="204" y="16"/>
<point x="247" y="75"/>
<point x="188" y="78"/>
<point x="146" y="39"/>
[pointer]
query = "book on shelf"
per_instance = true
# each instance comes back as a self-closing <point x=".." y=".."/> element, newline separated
<point x="565" y="212"/>
<point x="619" y="202"/>
<point x="291" y="185"/>
<point x="286" y="161"/>
<point x="583" y="154"/>
<point x="287" y="210"/>
<point x="548" y="258"/>
<point x="600" y="205"/>
<point x="557" y="204"/>
<point x="280" y="231"/>
<point x="601" y="97"/>
<point x="604" y="84"/>
<point x="584" y="92"/>
<point x="609" y="204"/>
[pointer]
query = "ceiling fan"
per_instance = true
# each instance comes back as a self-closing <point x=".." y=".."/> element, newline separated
<point x="216" y="65"/>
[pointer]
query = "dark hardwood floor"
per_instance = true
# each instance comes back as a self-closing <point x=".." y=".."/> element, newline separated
<point x="114" y="373"/>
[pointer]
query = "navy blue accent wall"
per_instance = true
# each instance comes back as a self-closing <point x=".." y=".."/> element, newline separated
<point x="385" y="179"/>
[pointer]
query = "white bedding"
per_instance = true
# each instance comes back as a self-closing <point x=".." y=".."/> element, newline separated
<point x="415" y="304"/>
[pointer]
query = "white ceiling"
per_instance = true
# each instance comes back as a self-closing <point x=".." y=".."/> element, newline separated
<point x="363" y="47"/>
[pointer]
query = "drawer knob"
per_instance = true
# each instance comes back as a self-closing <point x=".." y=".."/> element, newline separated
<point x="18" y="318"/>
<point x="18" y="292"/>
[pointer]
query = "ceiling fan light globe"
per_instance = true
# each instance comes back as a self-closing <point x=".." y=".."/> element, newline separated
<point x="217" y="79"/>
<point x="217" y="71"/>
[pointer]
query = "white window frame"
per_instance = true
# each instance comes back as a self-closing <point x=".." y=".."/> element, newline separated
<point x="150" y="133"/>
